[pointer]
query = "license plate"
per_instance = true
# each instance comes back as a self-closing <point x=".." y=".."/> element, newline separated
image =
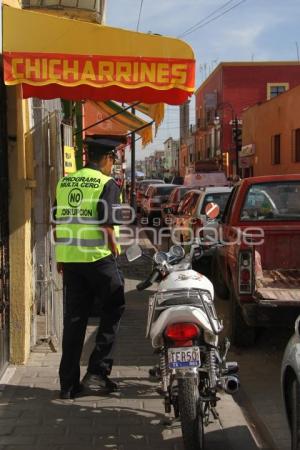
<point x="183" y="357"/>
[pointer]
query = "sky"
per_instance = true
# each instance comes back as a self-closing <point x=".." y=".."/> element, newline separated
<point x="253" y="30"/>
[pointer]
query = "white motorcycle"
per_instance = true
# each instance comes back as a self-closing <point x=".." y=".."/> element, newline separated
<point x="183" y="327"/>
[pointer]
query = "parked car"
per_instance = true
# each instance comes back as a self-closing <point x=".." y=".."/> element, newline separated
<point x="192" y="216"/>
<point x="258" y="265"/>
<point x="177" y="180"/>
<point x="141" y="189"/>
<point x="290" y="385"/>
<point x="169" y="208"/>
<point x="180" y="220"/>
<point x="155" y="195"/>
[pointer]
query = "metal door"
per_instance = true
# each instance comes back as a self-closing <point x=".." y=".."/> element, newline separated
<point x="48" y="305"/>
<point x="4" y="237"/>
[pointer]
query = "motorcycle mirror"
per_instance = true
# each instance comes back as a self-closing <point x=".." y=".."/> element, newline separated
<point x="212" y="210"/>
<point x="133" y="252"/>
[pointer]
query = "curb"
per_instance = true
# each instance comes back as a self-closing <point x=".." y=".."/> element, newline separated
<point x="255" y="422"/>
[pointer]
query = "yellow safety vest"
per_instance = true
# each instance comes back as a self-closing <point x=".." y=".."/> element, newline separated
<point x="78" y="233"/>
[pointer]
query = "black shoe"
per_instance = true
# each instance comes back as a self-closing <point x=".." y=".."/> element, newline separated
<point x="68" y="394"/>
<point x="99" y="382"/>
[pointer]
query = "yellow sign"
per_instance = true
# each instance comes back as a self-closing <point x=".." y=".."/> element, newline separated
<point x="69" y="160"/>
<point x="49" y="57"/>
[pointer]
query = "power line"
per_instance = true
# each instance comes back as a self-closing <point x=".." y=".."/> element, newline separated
<point x="214" y="18"/>
<point x="207" y="17"/>
<point x="140" y="12"/>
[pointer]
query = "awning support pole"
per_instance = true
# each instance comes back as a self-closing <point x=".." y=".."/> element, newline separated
<point x="140" y="128"/>
<point x="133" y="140"/>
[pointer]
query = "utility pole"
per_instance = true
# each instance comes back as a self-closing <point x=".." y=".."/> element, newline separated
<point x="237" y="141"/>
<point x="132" y="192"/>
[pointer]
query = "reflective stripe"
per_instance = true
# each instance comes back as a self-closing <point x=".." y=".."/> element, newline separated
<point x="80" y="242"/>
<point x="78" y="220"/>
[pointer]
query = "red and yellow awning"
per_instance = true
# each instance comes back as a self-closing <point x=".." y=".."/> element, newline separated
<point x="58" y="57"/>
<point x="121" y="124"/>
<point x="155" y="111"/>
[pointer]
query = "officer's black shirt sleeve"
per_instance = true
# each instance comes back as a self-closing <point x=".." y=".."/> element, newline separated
<point x="109" y="204"/>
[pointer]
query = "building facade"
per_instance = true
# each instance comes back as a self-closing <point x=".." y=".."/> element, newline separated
<point x="187" y="142"/>
<point x="32" y="134"/>
<point x="271" y="136"/>
<point x="171" y="151"/>
<point x="225" y="94"/>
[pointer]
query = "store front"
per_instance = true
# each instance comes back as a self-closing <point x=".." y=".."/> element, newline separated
<point x="49" y="56"/>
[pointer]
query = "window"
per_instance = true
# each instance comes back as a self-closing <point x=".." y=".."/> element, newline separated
<point x="183" y="203"/>
<point x="209" y="116"/>
<point x="297" y="145"/>
<point x="192" y="203"/>
<point x="276" y="149"/>
<point x="220" y="198"/>
<point x="274" y="89"/>
<point x="272" y="201"/>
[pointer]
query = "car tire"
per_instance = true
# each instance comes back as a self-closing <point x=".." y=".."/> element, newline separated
<point x="294" y="407"/>
<point x="220" y="287"/>
<point x="241" y="334"/>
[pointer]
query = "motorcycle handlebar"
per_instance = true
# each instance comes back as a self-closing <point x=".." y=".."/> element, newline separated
<point x="149" y="281"/>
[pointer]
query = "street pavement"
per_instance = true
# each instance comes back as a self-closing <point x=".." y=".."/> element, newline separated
<point x="260" y="394"/>
<point x="33" y="418"/>
<point x="260" y="378"/>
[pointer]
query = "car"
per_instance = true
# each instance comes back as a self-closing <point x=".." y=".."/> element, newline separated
<point x="169" y="209"/>
<point x="192" y="215"/>
<point x="181" y="221"/>
<point x="290" y="385"/>
<point x="142" y="187"/>
<point x="155" y="196"/>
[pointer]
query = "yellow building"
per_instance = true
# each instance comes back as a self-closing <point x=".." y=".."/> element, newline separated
<point x="271" y="136"/>
<point x="30" y="140"/>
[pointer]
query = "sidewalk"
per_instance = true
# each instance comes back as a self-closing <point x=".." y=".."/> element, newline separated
<point x="33" y="418"/>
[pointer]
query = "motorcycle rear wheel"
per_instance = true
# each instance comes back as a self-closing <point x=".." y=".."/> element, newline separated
<point x="294" y="404"/>
<point x="190" y="414"/>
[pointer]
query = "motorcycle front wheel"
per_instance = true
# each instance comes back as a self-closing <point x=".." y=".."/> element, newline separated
<point x="190" y="412"/>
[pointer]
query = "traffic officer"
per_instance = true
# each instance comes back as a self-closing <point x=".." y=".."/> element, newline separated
<point x="86" y="251"/>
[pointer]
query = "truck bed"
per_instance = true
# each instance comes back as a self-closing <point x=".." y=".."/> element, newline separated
<point x="278" y="287"/>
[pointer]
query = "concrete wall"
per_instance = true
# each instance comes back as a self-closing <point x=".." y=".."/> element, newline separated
<point x="281" y="115"/>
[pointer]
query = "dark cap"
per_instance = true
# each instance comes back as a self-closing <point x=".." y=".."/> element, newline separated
<point x="100" y="146"/>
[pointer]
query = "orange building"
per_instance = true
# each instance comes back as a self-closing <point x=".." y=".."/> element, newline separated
<point x="271" y="136"/>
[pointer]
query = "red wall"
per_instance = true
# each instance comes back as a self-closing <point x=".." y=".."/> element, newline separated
<point x="243" y="86"/>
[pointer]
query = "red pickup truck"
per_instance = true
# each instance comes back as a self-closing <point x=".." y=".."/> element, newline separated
<point x="258" y="264"/>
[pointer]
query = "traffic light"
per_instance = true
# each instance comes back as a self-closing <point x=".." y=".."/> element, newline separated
<point x="237" y="134"/>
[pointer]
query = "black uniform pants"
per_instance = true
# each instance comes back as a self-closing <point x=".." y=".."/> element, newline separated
<point x="82" y="283"/>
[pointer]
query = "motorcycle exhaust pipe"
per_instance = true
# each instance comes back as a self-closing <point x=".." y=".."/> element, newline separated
<point x="231" y="368"/>
<point x="230" y="384"/>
